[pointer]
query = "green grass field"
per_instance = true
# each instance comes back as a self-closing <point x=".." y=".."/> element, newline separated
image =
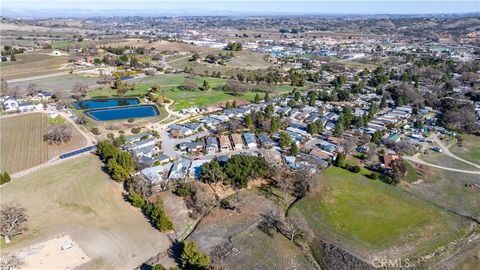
<point x="369" y="216"/>
<point x="76" y="197"/>
<point x="169" y="83"/>
<point x="412" y="174"/>
<point x="22" y="144"/>
<point x="470" y="150"/>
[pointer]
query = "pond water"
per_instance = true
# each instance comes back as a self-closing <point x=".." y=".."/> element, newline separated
<point x="104" y="103"/>
<point x="123" y="112"/>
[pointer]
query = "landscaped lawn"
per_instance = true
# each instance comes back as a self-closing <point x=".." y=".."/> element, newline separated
<point x="369" y="216"/>
<point x="169" y="84"/>
<point x="470" y="150"/>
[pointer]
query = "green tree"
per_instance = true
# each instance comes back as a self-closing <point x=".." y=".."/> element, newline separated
<point x="205" y="86"/>
<point x="294" y="149"/>
<point x="137" y="199"/>
<point x="266" y="97"/>
<point x="340" y="160"/>
<point x="212" y="172"/>
<point x="338" y="131"/>
<point x="13" y="58"/>
<point x="376" y="137"/>
<point x="157" y="216"/>
<point x="257" y="98"/>
<point x="4" y="178"/>
<point x="234" y="103"/>
<point x="313" y="128"/>
<point x="193" y="258"/>
<point x="285" y="140"/>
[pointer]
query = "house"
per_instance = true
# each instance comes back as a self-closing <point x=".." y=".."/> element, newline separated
<point x="291" y="161"/>
<point x="26" y="106"/>
<point x="264" y="140"/>
<point x="194" y="147"/>
<point x="319" y="153"/>
<point x="193" y="126"/>
<point x="154" y="175"/>
<point x="388" y="159"/>
<point x="192" y="110"/>
<point x="137" y="138"/>
<point x="392" y="138"/>
<point x="318" y="162"/>
<point x="10" y="105"/>
<point x="179" y="169"/>
<point x="225" y="143"/>
<point x="326" y="146"/>
<point x="219" y="117"/>
<point x="237" y="141"/>
<point x="250" y="140"/>
<point x="140" y="144"/>
<point x="179" y="131"/>
<point x="211" y="145"/>
<point x="147" y="151"/>
<point x="363" y="149"/>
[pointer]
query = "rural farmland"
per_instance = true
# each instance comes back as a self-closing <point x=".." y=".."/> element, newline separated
<point x="20" y="135"/>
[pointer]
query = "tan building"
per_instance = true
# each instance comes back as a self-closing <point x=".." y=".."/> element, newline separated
<point x="225" y="143"/>
<point x="237" y="141"/>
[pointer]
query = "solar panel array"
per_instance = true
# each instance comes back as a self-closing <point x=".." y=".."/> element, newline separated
<point x="77" y="152"/>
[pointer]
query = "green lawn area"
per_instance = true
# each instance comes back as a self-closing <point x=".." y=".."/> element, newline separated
<point x="369" y="216"/>
<point x="183" y="99"/>
<point x="56" y="121"/>
<point x="412" y="174"/>
<point x="470" y="150"/>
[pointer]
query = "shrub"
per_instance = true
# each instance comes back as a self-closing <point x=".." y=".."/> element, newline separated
<point x="4" y="178"/>
<point x="373" y="176"/>
<point x="136" y="130"/>
<point x="157" y="216"/>
<point x="193" y="258"/>
<point x="137" y="200"/>
<point x="95" y="131"/>
<point x="131" y="120"/>
<point x="110" y="136"/>
<point x="185" y="189"/>
<point x="354" y="168"/>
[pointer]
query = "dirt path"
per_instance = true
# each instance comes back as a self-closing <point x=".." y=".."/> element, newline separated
<point x="447" y="152"/>
<point x="415" y="159"/>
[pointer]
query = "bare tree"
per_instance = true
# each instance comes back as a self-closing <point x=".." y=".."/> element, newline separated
<point x="273" y="220"/>
<point x="231" y="203"/>
<point x="11" y="224"/>
<point x="10" y="262"/>
<point x="282" y="176"/>
<point x="403" y="147"/>
<point x="58" y="134"/>
<point x="81" y="119"/>
<point x="32" y="89"/>
<point x="138" y="184"/>
<point x="79" y="90"/>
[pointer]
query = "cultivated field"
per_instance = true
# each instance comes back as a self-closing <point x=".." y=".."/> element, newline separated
<point x="370" y="218"/>
<point x="32" y="64"/>
<point x="77" y="198"/>
<point x="58" y="84"/>
<point x="22" y="144"/>
<point x="470" y="150"/>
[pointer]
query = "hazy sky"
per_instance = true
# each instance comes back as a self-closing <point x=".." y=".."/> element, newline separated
<point x="265" y="6"/>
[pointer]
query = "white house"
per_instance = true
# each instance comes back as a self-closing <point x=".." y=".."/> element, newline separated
<point x="10" y="105"/>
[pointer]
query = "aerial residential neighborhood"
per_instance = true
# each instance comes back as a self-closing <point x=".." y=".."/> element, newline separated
<point x="240" y="135"/>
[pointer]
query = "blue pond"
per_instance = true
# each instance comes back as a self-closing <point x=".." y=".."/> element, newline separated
<point x="104" y="103"/>
<point x="123" y="112"/>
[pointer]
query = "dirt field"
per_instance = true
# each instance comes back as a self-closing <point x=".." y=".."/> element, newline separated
<point x="77" y="198"/>
<point x="22" y="144"/>
<point x="32" y="64"/>
<point x="256" y="249"/>
<point x="59" y="83"/>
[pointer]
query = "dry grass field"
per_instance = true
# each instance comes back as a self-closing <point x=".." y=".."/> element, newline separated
<point x="77" y="198"/>
<point x="22" y="144"/>
<point x="32" y="64"/>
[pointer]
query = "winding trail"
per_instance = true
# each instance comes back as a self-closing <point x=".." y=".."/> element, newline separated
<point x="415" y="158"/>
